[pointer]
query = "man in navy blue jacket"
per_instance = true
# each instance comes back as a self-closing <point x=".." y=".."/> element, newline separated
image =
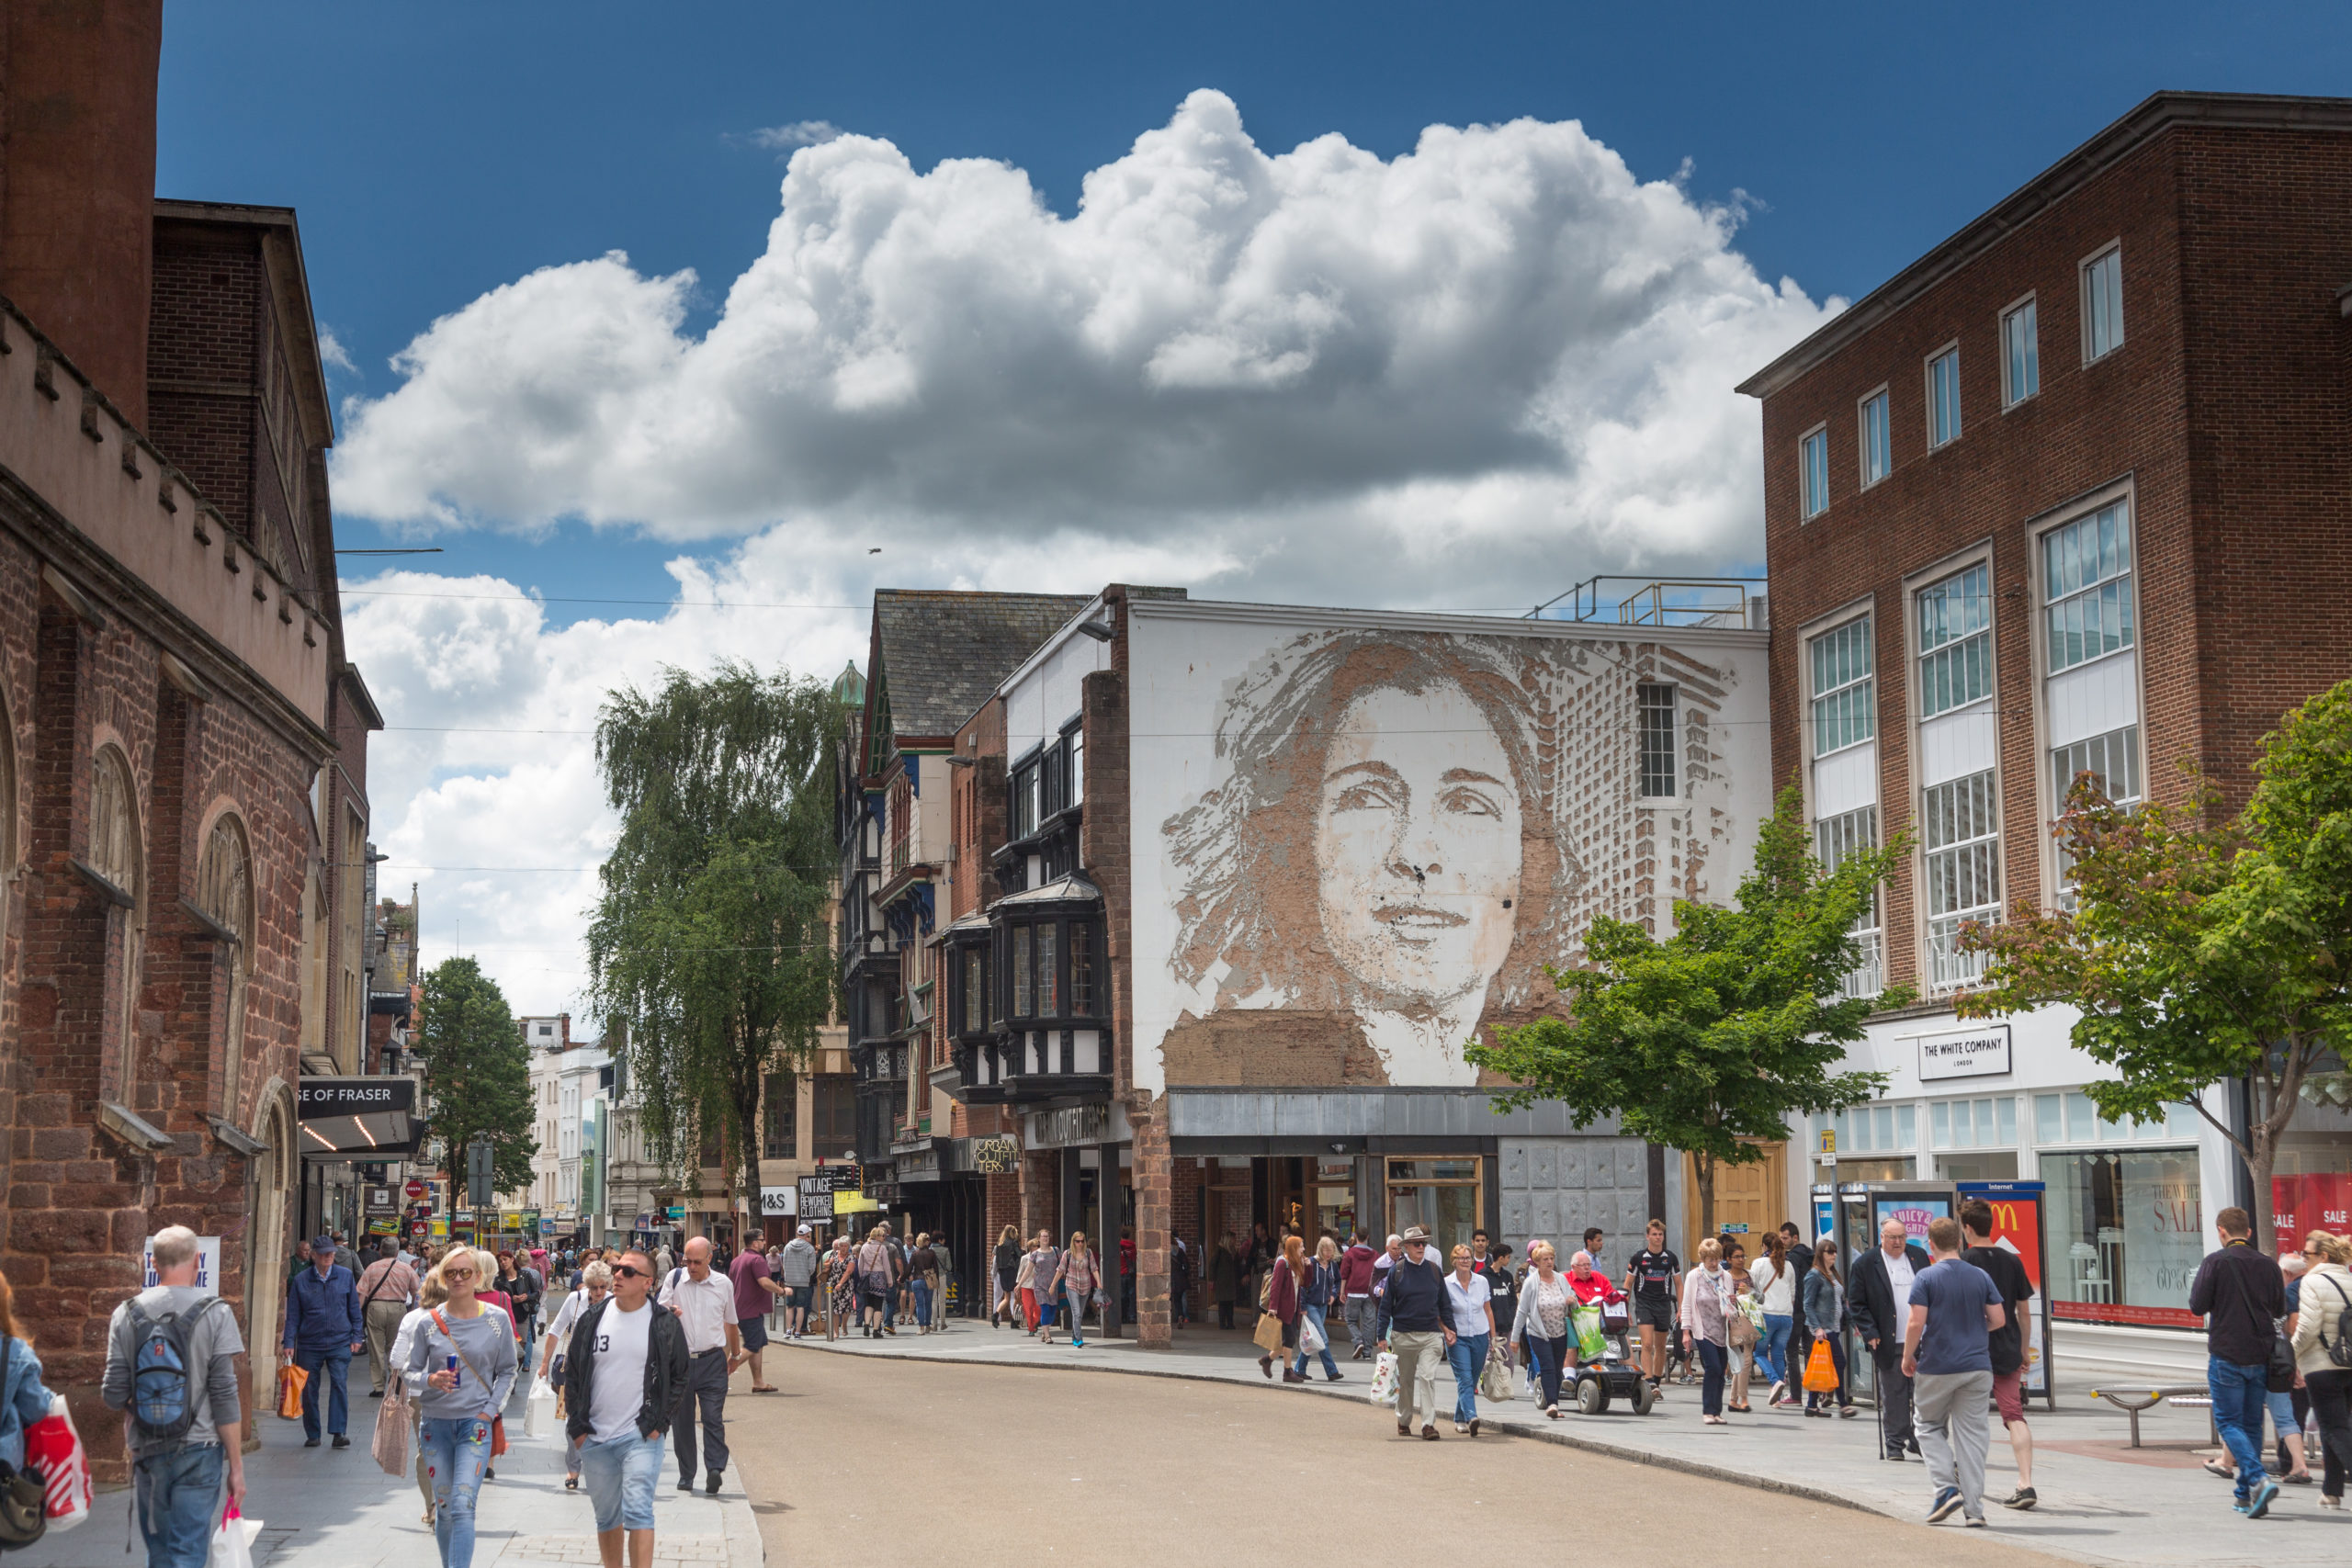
<point x="323" y="1330"/>
<point x="1417" y="1320"/>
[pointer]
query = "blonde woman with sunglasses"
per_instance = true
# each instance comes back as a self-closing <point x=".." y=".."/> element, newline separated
<point x="460" y="1369"/>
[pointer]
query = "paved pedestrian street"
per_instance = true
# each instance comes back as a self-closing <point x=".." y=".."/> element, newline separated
<point x="1166" y="1455"/>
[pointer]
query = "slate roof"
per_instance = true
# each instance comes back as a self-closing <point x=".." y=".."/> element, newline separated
<point x="941" y="654"/>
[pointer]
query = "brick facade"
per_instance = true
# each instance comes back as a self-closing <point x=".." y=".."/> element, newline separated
<point x="2222" y="417"/>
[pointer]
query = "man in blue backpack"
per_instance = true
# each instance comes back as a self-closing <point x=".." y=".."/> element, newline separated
<point x="171" y="1367"/>
<point x="325" y="1329"/>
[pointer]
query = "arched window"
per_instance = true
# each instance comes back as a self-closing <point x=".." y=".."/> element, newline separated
<point x="115" y="855"/>
<point x="224" y="892"/>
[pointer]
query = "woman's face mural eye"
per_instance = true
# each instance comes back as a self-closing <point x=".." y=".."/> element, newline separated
<point x="1418" y="846"/>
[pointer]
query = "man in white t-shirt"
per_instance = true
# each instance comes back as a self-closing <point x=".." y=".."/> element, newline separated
<point x="622" y="1373"/>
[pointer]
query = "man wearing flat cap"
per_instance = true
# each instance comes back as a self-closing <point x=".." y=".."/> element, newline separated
<point x="1416" y="1322"/>
<point x="324" y="1328"/>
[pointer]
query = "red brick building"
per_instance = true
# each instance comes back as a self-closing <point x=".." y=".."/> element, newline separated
<point x="182" y="741"/>
<point x="2071" y="492"/>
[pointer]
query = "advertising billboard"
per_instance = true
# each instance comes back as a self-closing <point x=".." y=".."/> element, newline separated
<point x="2018" y="1228"/>
<point x="1359" y="840"/>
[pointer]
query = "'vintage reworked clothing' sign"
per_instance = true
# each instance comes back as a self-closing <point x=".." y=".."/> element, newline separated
<point x="1979" y="1053"/>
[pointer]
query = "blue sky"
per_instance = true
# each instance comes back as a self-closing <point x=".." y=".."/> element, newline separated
<point x="1434" y="368"/>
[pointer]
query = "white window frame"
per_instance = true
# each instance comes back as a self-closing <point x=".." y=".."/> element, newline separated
<point x="2083" y="270"/>
<point x="1868" y="978"/>
<point x="1949" y="351"/>
<point x="1947" y="968"/>
<point x="2126" y="599"/>
<point x="1921" y="653"/>
<point x="1862" y="435"/>
<point x="1815" y="695"/>
<point x="1806" y="511"/>
<point x="2013" y="309"/>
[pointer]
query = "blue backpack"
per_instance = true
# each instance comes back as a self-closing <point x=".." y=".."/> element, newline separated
<point x="162" y="1390"/>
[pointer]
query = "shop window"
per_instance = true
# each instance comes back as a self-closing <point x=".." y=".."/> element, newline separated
<point x="778" y="1112"/>
<point x="2127" y="1233"/>
<point x="1444" y="1197"/>
<point x="832" y="1132"/>
<point x="2071" y="1118"/>
<point x="1985" y="1123"/>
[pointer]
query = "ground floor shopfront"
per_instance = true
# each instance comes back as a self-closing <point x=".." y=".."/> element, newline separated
<point x="2128" y="1205"/>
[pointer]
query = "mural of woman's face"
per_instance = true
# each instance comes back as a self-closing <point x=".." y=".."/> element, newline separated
<point x="1418" y="846"/>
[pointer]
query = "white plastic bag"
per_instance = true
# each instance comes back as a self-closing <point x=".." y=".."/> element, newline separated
<point x="1310" y="1339"/>
<point x="538" y="1410"/>
<point x="1384" y="1379"/>
<point x="232" y="1543"/>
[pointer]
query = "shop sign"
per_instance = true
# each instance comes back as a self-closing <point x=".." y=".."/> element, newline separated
<point x="414" y="1189"/>
<point x="845" y="1178"/>
<point x="816" y="1205"/>
<point x="921" y="1165"/>
<point x="1070" y="1126"/>
<point x="779" y="1202"/>
<point x="2299" y="1204"/>
<point x="674" y="1213"/>
<point x="207" y="1263"/>
<point x="998" y="1156"/>
<point x="383" y="1225"/>
<point x="379" y="1202"/>
<point x="1981" y="1052"/>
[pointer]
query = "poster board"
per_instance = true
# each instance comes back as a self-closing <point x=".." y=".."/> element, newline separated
<point x="2017" y="1225"/>
<point x="207" y="1263"/>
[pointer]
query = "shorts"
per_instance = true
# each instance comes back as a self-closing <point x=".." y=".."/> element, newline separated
<point x="797" y="1296"/>
<point x="621" y="1474"/>
<point x="1654" y="1312"/>
<point x="2008" y="1394"/>
<point x="874" y="1301"/>
<point x="755" y="1332"/>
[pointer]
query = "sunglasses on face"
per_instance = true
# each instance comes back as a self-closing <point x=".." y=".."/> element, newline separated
<point x="456" y="1276"/>
<point x="623" y="1271"/>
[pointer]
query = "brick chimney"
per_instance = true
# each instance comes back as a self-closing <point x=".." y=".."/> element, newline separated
<point x="78" y="181"/>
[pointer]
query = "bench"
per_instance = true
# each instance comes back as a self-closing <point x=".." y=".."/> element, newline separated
<point x="2134" y="1400"/>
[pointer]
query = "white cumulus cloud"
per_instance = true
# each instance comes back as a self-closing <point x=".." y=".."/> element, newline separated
<point x="1460" y="377"/>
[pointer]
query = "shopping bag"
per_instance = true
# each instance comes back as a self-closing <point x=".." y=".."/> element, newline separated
<point x="53" y="1450"/>
<point x="1591" y="1344"/>
<point x="232" y="1543"/>
<point x="1494" y="1382"/>
<point x="1310" y="1339"/>
<point x="1268" y="1335"/>
<point x="1820" y="1371"/>
<point x="392" y="1439"/>
<point x="1383" y="1378"/>
<point x="538" y="1411"/>
<point x="290" y="1382"/>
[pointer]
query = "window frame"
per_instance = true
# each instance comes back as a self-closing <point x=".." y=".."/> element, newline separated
<point x="1644" y="708"/>
<point x="1981" y="560"/>
<point x="2030" y="300"/>
<point x="1807" y="511"/>
<point x="1862" y="435"/>
<point x="1949" y="351"/>
<point x="1870" y="978"/>
<point x="1860" y="613"/>
<point x="1927" y="917"/>
<point x="2083" y="270"/>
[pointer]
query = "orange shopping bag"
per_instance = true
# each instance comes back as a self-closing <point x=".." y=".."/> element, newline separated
<point x="291" y="1384"/>
<point x="1820" y="1371"/>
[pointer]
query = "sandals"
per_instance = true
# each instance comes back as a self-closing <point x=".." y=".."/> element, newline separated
<point x="572" y="1483"/>
<point x="769" y="1388"/>
<point x="1713" y="1421"/>
<point x="2213" y="1469"/>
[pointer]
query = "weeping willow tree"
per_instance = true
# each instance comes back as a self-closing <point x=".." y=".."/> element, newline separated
<point x="708" y="947"/>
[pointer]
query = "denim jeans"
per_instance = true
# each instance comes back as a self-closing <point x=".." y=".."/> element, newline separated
<point x="621" y="1474"/>
<point x="178" y="1496"/>
<point x="456" y="1451"/>
<point x="1551" y="1358"/>
<point x="1469" y="1359"/>
<point x="1773" y="1349"/>
<point x="2240" y="1394"/>
<point x="923" y="1303"/>
<point x="336" y="1364"/>
<point x="1713" y="1359"/>
<point x="1330" y="1368"/>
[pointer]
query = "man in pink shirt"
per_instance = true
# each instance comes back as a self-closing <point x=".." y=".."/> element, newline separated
<point x="755" y="1291"/>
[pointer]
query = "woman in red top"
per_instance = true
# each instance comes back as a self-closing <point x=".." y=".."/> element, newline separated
<point x="1282" y="1304"/>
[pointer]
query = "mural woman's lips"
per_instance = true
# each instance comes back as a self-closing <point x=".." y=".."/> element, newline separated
<point x="1418" y="921"/>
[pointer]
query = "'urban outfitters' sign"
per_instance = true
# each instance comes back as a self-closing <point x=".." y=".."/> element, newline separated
<point x="1982" y="1052"/>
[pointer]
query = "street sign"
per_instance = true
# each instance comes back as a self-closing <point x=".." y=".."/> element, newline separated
<point x="479" y="1160"/>
<point x="845" y="1178"/>
<point x="415" y="1190"/>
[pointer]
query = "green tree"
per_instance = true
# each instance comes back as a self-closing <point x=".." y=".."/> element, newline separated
<point x="710" y="947"/>
<point x="1711" y="1040"/>
<point x="2203" y="952"/>
<point x="477" y="1072"/>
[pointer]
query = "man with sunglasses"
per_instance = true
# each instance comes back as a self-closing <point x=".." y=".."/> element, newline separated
<point x="622" y="1375"/>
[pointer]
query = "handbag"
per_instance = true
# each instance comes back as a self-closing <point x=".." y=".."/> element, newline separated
<point x="389" y="1445"/>
<point x="1268" y="1335"/>
<point x="1820" y="1369"/>
<point x="497" y="1423"/>
<point x="1739" y="1324"/>
<point x="1494" y="1382"/>
<point x="24" y="1513"/>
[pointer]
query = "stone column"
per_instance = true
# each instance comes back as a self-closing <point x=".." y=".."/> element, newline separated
<point x="1154" y="1171"/>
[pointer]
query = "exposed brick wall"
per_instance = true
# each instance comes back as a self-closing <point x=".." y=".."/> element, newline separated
<point x="2225" y="409"/>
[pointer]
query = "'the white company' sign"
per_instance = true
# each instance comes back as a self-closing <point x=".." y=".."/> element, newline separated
<point x="1979" y="1053"/>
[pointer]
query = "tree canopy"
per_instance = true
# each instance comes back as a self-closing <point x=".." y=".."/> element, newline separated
<point x="2202" y="951"/>
<point x="709" y="950"/>
<point x="1711" y="1039"/>
<point x="478" y="1073"/>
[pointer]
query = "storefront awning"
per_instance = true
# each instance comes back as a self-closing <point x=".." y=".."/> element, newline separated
<point x="358" y="1118"/>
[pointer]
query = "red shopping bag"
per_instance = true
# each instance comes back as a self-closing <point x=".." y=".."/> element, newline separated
<point x="53" y="1450"/>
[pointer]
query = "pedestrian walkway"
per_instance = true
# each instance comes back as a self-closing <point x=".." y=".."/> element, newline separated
<point x="320" y="1508"/>
<point x="2101" y="1502"/>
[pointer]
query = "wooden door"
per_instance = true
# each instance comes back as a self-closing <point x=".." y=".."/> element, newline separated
<point x="1751" y="1198"/>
